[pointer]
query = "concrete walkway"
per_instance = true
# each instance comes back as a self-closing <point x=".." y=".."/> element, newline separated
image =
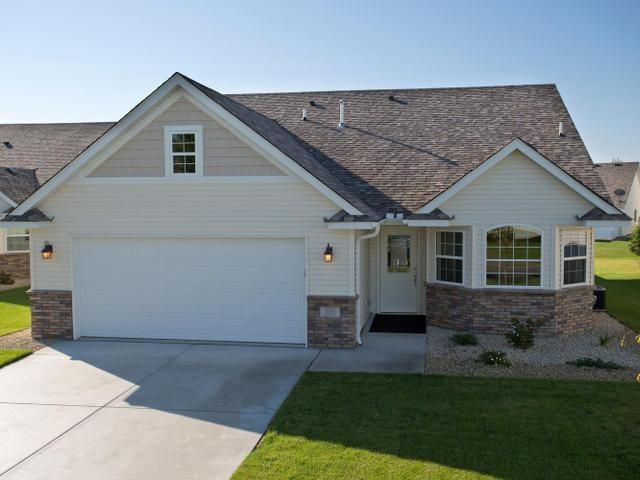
<point x="379" y="353"/>
<point x="124" y="410"/>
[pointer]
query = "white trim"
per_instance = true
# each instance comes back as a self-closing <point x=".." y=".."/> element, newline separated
<point x="29" y="225"/>
<point x="606" y="223"/>
<point x="517" y="287"/>
<point x="541" y="160"/>
<point x="589" y="252"/>
<point x="427" y="223"/>
<point x="116" y="135"/>
<point x="189" y="179"/>
<point x="7" y="199"/>
<point x="351" y="225"/>
<point x="197" y="130"/>
<point x="436" y="256"/>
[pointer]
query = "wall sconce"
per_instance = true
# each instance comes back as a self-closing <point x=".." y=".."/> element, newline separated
<point x="328" y="254"/>
<point x="47" y="251"/>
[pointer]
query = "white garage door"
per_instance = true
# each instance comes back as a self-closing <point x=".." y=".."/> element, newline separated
<point x="224" y="289"/>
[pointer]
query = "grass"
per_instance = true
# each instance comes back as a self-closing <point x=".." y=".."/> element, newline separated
<point x="618" y="270"/>
<point x="10" y="356"/>
<point x="369" y="426"/>
<point x="15" y="313"/>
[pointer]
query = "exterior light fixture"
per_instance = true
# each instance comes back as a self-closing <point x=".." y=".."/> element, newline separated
<point x="328" y="254"/>
<point x="47" y="251"/>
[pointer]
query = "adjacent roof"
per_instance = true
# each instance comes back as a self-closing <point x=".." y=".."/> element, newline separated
<point x="399" y="149"/>
<point x="599" y="215"/>
<point x="618" y="178"/>
<point x="39" y="151"/>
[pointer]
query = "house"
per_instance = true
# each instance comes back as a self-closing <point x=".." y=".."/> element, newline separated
<point x="30" y="154"/>
<point x="293" y="217"/>
<point x="622" y="181"/>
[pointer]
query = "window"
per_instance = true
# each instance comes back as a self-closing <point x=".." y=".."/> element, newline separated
<point x="398" y="253"/>
<point x="17" y="240"/>
<point x="574" y="257"/>
<point x="514" y="257"/>
<point x="183" y="150"/>
<point x="449" y="257"/>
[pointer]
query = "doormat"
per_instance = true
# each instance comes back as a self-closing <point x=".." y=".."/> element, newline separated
<point x="387" y="323"/>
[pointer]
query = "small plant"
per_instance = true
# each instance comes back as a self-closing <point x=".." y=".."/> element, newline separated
<point x="464" y="339"/>
<point x="522" y="335"/>
<point x="494" y="358"/>
<point x="598" y="363"/>
<point x="6" y="278"/>
<point x="634" y="241"/>
<point x="605" y="339"/>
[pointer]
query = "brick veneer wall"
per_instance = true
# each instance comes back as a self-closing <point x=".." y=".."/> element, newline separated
<point x="491" y="310"/>
<point x="17" y="264"/>
<point x="51" y="314"/>
<point x="331" y="332"/>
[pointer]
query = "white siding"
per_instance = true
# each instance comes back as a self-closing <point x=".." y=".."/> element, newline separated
<point x="199" y="209"/>
<point x="224" y="153"/>
<point x="516" y="190"/>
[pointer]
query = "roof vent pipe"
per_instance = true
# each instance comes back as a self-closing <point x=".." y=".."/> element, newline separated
<point x="304" y="114"/>
<point x="341" y="124"/>
<point x="560" y="130"/>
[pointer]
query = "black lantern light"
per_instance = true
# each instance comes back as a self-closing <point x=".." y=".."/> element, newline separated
<point x="328" y="254"/>
<point x="47" y="251"/>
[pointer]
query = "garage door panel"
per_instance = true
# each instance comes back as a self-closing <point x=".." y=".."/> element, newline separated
<point x="240" y="289"/>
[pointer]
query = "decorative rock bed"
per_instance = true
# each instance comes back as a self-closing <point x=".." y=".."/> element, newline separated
<point x="546" y="359"/>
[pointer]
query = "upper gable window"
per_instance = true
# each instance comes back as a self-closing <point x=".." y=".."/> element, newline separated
<point x="183" y="150"/>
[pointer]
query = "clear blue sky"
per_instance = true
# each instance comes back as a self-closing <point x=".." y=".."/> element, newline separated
<point x="87" y="61"/>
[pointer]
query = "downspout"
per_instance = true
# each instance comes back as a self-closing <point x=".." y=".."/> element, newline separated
<point x="375" y="233"/>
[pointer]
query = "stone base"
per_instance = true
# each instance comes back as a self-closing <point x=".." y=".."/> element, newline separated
<point x="16" y="264"/>
<point x="491" y="310"/>
<point x="331" y="321"/>
<point x="51" y="314"/>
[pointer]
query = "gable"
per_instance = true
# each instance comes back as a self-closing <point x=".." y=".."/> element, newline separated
<point x="224" y="153"/>
<point x="516" y="190"/>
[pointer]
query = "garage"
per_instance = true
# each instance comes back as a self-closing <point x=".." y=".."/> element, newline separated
<point x="214" y="289"/>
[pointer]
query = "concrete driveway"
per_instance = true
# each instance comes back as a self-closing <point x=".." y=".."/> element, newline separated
<point x="135" y="411"/>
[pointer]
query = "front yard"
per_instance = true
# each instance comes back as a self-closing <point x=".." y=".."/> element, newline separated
<point x="15" y="315"/>
<point x="371" y="426"/>
<point x="618" y="270"/>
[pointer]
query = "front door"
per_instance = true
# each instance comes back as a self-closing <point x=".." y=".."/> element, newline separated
<point x="399" y="270"/>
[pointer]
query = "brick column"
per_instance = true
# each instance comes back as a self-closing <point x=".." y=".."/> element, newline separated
<point x="331" y="321"/>
<point x="51" y="314"/>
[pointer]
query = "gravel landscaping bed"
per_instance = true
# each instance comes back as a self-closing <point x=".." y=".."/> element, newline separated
<point x="547" y="358"/>
<point x="22" y="340"/>
<point x="20" y="282"/>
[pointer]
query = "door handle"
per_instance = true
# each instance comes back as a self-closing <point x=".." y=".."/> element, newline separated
<point x="415" y="278"/>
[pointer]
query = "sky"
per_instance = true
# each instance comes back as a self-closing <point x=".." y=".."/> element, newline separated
<point x="75" y="61"/>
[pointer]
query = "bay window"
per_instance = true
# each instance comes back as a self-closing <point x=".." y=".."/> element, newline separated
<point x="513" y="257"/>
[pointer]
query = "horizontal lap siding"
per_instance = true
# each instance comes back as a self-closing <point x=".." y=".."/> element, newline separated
<point x="282" y="209"/>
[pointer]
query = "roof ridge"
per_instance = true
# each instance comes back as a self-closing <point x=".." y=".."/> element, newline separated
<point x="24" y="124"/>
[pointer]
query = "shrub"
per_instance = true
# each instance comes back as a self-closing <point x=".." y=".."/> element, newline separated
<point x="598" y="363"/>
<point x="634" y="242"/>
<point x="464" y="339"/>
<point x="494" y="358"/>
<point x="522" y="335"/>
<point x="605" y="339"/>
<point x="6" y="278"/>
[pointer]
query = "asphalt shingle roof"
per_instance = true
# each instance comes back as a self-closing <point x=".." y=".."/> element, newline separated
<point x="617" y="178"/>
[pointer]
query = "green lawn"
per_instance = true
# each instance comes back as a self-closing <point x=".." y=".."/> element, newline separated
<point x="619" y="271"/>
<point x="10" y="356"/>
<point x="15" y="313"/>
<point x="368" y="426"/>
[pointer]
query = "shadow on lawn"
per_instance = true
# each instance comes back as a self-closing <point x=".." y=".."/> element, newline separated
<point x="15" y="296"/>
<point x="508" y="428"/>
<point x="623" y="301"/>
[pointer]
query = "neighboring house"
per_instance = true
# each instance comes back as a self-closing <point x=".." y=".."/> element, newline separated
<point x="292" y="217"/>
<point x="622" y="181"/>
<point x="30" y="154"/>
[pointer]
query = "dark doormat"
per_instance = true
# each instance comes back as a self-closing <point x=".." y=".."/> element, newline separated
<point x="387" y="323"/>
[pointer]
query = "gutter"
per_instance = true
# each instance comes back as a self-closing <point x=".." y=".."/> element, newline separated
<point x="376" y="231"/>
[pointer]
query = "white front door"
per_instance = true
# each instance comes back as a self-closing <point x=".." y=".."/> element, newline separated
<point x="399" y="270"/>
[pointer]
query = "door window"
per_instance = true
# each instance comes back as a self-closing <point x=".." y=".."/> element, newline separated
<point x="398" y="253"/>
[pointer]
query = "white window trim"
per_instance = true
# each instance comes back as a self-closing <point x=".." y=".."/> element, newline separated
<point x="169" y="130"/>
<point x="513" y="287"/>
<point x="6" y="241"/>
<point x="436" y="256"/>
<point x="587" y="275"/>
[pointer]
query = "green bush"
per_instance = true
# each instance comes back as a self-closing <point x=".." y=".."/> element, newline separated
<point x="598" y="363"/>
<point x="522" y="335"/>
<point x="494" y="358"/>
<point x="464" y="339"/>
<point x="605" y="339"/>
<point x="6" y="278"/>
<point x="634" y="242"/>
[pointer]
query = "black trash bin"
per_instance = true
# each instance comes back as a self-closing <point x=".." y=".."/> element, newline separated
<point x="599" y="298"/>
